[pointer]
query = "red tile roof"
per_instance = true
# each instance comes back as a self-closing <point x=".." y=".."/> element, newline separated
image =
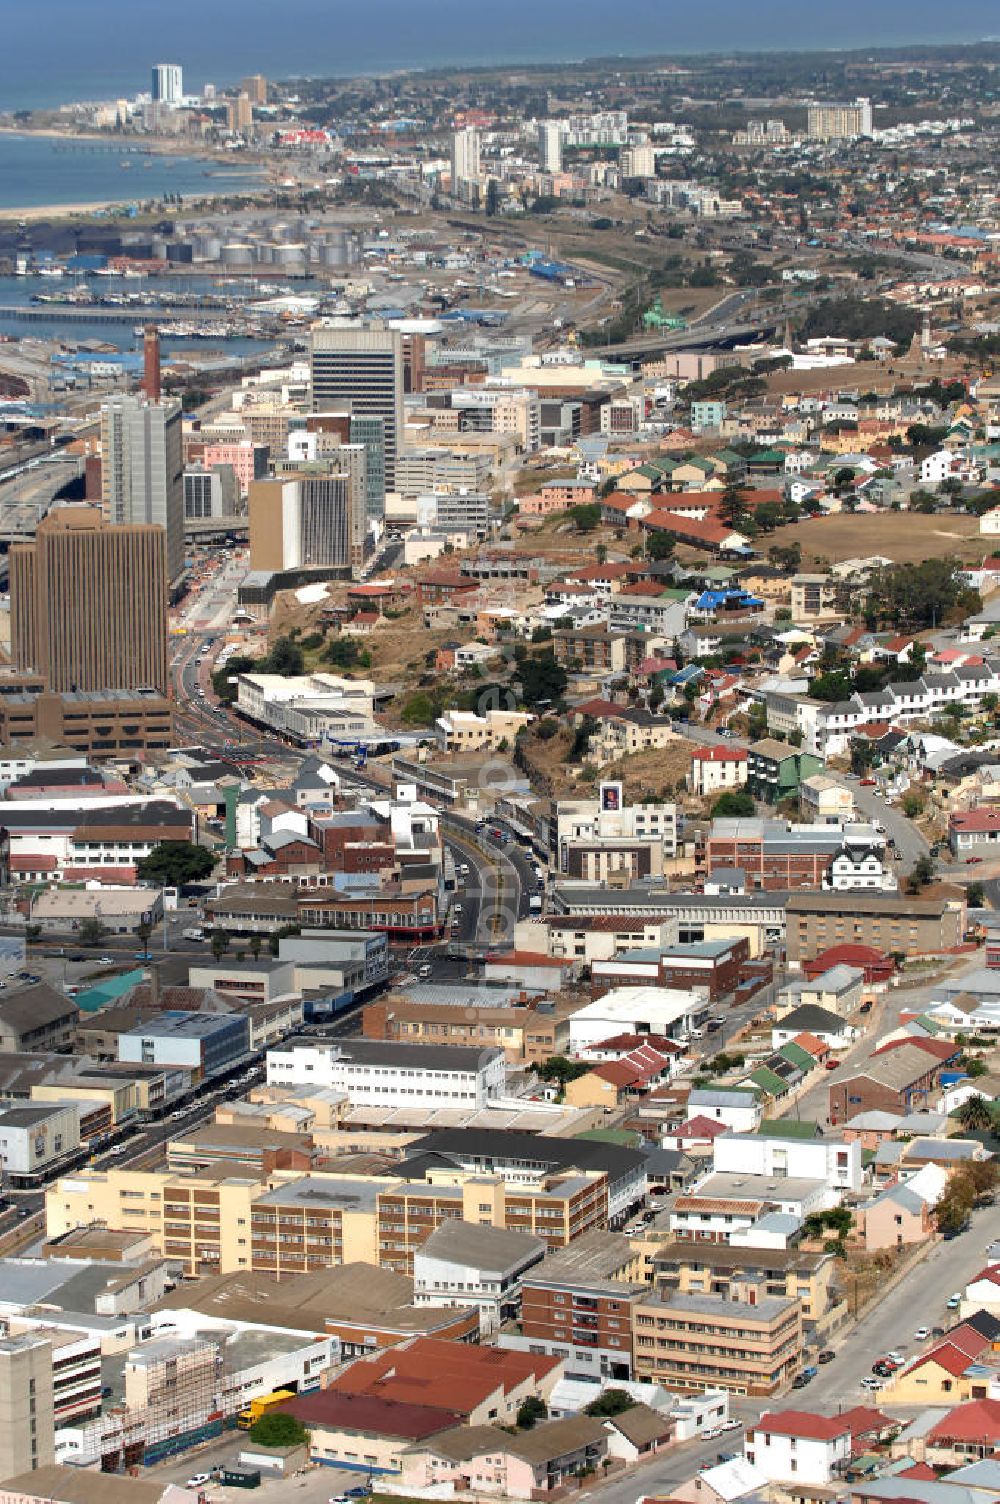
<point x="979" y="1421"/>
<point x="369" y="1414"/>
<point x="941" y="1049"/>
<point x="952" y="1359"/>
<point x="720" y="754"/>
<point x="863" y="1420"/>
<point x="975" y="819"/>
<point x="699" y="1127"/>
<point x="921" y="1470"/>
<point x="805" y="1424"/>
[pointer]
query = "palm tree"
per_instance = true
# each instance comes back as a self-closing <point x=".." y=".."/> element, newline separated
<point x="975" y="1114"/>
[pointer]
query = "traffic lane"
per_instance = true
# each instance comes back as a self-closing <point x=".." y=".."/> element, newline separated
<point x="911" y="842"/>
<point x="919" y="1299"/>
<point x="657" y="1479"/>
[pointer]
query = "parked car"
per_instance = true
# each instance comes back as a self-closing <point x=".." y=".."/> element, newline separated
<point x="954" y="1301"/>
<point x="197" y="1479"/>
<point x="826" y="1356"/>
<point x="106" y="961"/>
<point x="866" y="783"/>
<point x="800" y="1381"/>
<point x="871" y="1383"/>
<point x="830" y="1064"/>
<point x="922" y="1333"/>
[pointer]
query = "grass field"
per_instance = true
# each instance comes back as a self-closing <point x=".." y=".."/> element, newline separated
<point x="906" y="537"/>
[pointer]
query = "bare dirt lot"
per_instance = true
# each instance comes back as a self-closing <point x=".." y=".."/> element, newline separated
<point x="906" y="537"/>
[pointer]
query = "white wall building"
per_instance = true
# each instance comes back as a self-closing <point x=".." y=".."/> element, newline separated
<point x="461" y="1264"/>
<point x="35" y="1135"/>
<point x="664" y="1011"/>
<point x="739" y="1110"/>
<point x="377" y="1073"/>
<point x="832" y="1160"/>
<point x="797" y="1447"/>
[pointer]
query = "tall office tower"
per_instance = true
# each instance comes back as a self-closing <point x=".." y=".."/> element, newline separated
<point x="836" y="121"/>
<point x="550" y="139"/>
<point x="465" y="164"/>
<point x="27" y="1406"/>
<point x="306" y="522"/>
<point x="168" y="83"/>
<point x="88" y="603"/>
<point x="255" y="88"/>
<point x="239" y="115"/>
<point x="142" y="467"/>
<point x="151" y="362"/>
<point x="368" y="430"/>
<point x="361" y="364"/>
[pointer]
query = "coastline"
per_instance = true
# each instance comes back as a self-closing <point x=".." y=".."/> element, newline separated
<point x="32" y="213"/>
<point x="251" y="167"/>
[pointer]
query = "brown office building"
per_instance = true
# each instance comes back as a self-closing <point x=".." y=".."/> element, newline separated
<point x="698" y="1342"/>
<point x="890" y="923"/>
<point x="89" y="603"/>
<point x="115" y="723"/>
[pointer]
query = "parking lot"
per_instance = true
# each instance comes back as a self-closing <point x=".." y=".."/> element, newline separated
<point x="315" y="1484"/>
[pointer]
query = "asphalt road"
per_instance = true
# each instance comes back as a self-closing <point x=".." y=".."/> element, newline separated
<point x="918" y="1300"/>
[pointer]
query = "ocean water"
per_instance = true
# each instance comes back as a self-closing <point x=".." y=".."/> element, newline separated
<point x="58" y="50"/>
<point x="40" y="170"/>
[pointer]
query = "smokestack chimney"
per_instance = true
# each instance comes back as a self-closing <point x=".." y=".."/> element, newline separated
<point x="151" y="362"/>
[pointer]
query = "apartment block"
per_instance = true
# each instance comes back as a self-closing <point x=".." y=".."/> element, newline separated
<point x="697" y="1342"/>
<point x="578" y="1305"/>
<point x="731" y="1272"/>
<point x="817" y="921"/>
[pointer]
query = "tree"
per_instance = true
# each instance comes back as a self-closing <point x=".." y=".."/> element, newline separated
<point x="975" y="895"/>
<point x="610" y="1402"/>
<point x="733" y="805"/>
<point x="91" y="932"/>
<point x="975" y="1114"/>
<point x="531" y="1411"/>
<point x="922" y="874"/>
<point x="492" y="198"/>
<point x="173" y="863"/>
<point x="220" y="944"/>
<point x="276" y="1428"/>
<point x="285" y="658"/>
<point x="585" y="517"/>
<point x="732" y="507"/>
<point x="660" y="545"/>
<point x="601" y="553"/>
<point x="559" y="1068"/>
<point x="256" y="941"/>
<point x="542" y="678"/>
<point x="144" y="929"/>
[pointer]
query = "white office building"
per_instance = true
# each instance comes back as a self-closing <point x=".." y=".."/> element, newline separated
<point x="550" y="143"/>
<point x="377" y="1073"/>
<point x="167" y="83"/>
<point x="465" y="164"/>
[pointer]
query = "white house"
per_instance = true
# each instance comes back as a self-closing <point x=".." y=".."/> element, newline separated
<point x="936" y="467"/>
<point x="982" y="1293"/>
<point x="739" y="1109"/>
<point x="383" y="1073"/>
<point x="798" y="1447"/>
<point x="832" y="1159"/>
<point x="989" y="522"/>
<point x="716" y="768"/>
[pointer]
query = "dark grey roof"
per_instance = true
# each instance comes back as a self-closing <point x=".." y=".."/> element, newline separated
<point x="495" y="1145"/>
<point x="811" y="1018"/>
<point x="33" y="1007"/>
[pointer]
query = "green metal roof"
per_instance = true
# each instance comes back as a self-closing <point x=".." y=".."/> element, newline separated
<point x="788" y="1128"/>
<point x="92" y="999"/>
<point x="797" y="1055"/>
<point x="768" y="1081"/>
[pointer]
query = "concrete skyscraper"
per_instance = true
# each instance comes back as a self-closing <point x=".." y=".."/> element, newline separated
<point x="361" y="364"/>
<point x="465" y="164"/>
<point x="313" y="518"/>
<point x="167" y="83"/>
<point x="369" y="430"/>
<point x="27" y="1404"/>
<point x="142" y="457"/>
<point x="88" y="603"/>
<point x="550" y="139"/>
